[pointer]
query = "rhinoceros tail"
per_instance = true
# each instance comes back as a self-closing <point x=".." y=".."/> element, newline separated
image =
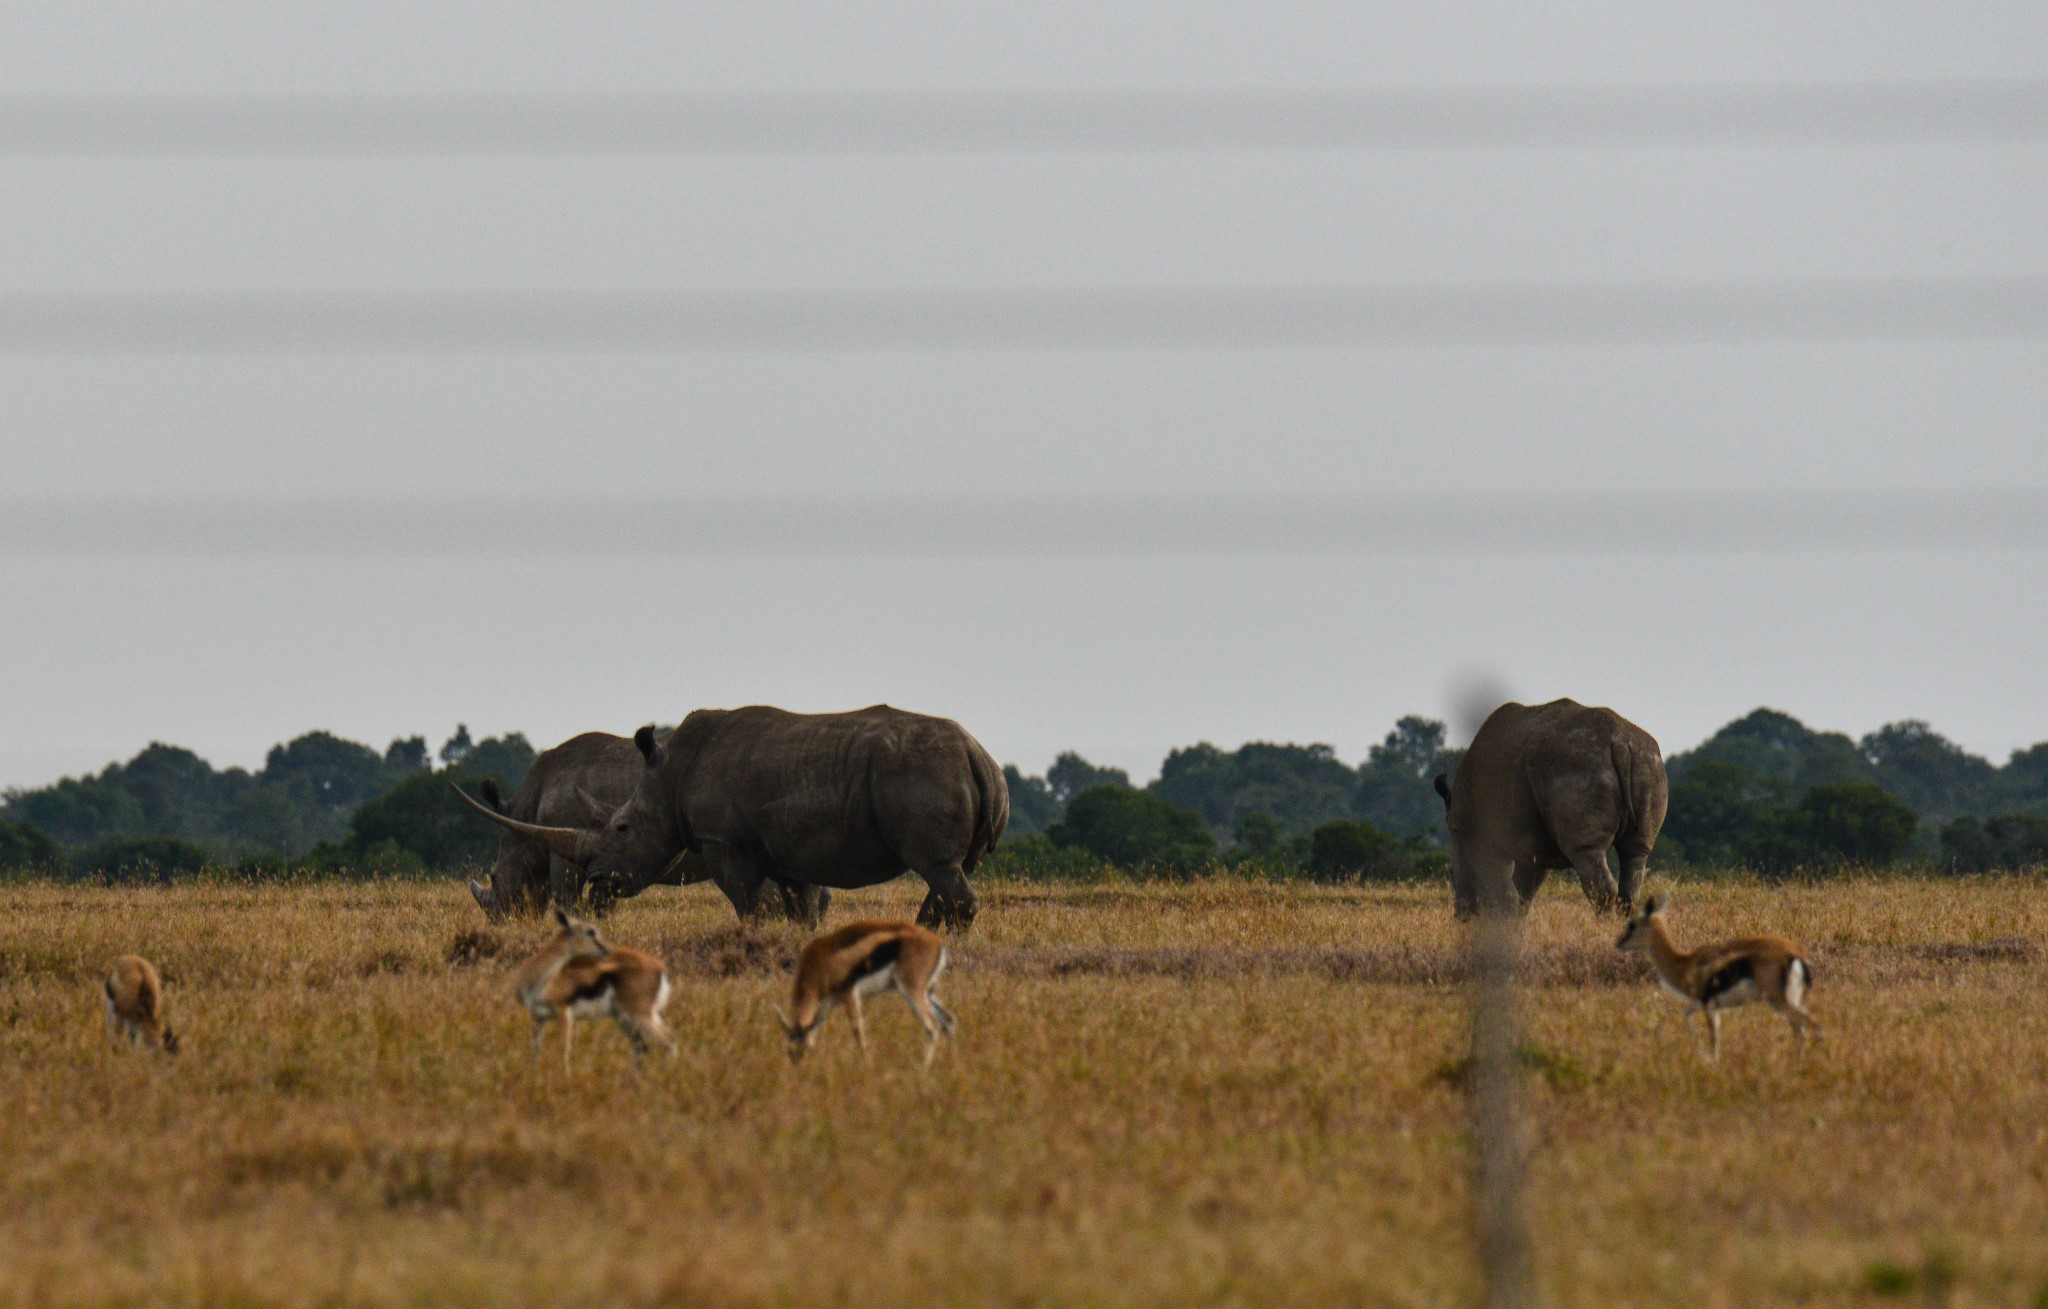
<point x="991" y="806"/>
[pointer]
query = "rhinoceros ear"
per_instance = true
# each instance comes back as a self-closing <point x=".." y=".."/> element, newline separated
<point x="1443" y="786"/>
<point x="489" y="787"/>
<point x="651" y="752"/>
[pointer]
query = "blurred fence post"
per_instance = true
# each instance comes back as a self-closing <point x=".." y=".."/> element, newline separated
<point x="1506" y="1261"/>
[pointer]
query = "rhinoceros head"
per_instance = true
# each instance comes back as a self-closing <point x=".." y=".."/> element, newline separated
<point x="640" y="841"/>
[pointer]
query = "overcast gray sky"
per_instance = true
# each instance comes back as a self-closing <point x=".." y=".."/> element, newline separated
<point x="1117" y="650"/>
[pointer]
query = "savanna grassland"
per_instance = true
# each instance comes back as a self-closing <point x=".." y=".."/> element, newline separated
<point x="1225" y="1092"/>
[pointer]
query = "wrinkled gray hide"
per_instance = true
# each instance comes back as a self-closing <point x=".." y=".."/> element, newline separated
<point x="1552" y="786"/>
<point x="557" y="791"/>
<point x="827" y="800"/>
<point x="578" y="785"/>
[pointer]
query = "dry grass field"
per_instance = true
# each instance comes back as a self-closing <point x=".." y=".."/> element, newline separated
<point x="1218" y="1093"/>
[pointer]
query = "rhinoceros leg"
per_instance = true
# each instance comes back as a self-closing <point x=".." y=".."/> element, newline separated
<point x="1529" y="879"/>
<point x="799" y="902"/>
<point x="1634" y="863"/>
<point x="1481" y="880"/>
<point x="740" y="880"/>
<point x="565" y="882"/>
<point x="950" y="904"/>
<point x="1590" y="863"/>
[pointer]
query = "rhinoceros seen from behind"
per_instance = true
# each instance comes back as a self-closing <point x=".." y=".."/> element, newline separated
<point x="1552" y="786"/>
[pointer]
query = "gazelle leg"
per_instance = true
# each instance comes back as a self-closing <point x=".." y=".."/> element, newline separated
<point x="1714" y="1031"/>
<point x="945" y="1016"/>
<point x="540" y="1031"/>
<point x="568" y="1037"/>
<point x="860" y="1027"/>
<point x="637" y="1040"/>
<point x="921" y="1006"/>
<point x="1803" y="1024"/>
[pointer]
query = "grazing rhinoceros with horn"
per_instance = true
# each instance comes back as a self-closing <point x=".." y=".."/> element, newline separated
<point x="817" y="800"/>
<point x="1553" y="786"/>
<point x="575" y="788"/>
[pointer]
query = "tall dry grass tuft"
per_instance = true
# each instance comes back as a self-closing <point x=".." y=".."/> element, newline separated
<point x="1225" y="1093"/>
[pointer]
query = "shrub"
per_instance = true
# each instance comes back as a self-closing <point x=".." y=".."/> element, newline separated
<point x="1365" y="852"/>
<point x="422" y="819"/>
<point x="1835" y="824"/>
<point x="2007" y="841"/>
<point x="140" y="859"/>
<point x="1035" y="858"/>
<point x="1134" y="830"/>
<point x="1356" y="852"/>
<point x="24" y="845"/>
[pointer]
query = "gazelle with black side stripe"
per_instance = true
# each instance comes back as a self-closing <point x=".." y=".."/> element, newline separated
<point x="861" y="960"/>
<point x="1725" y="974"/>
<point x="577" y="975"/>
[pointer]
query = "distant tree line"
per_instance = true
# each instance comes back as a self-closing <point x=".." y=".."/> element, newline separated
<point x="318" y="802"/>
<point x="1294" y="808"/>
<point x="1765" y="792"/>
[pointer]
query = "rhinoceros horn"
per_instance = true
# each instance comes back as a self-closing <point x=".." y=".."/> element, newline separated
<point x="572" y="843"/>
<point x="486" y="900"/>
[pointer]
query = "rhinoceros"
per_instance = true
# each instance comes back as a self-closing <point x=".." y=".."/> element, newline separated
<point x="575" y="787"/>
<point x="816" y="800"/>
<point x="1553" y="786"/>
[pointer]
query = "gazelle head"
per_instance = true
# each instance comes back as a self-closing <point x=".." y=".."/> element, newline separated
<point x="800" y="1037"/>
<point x="580" y="939"/>
<point x="1636" y="936"/>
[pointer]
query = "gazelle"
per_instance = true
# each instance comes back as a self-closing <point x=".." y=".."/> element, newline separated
<point x="1725" y="974"/>
<point x="576" y="975"/>
<point x="861" y="960"/>
<point x="135" y="1004"/>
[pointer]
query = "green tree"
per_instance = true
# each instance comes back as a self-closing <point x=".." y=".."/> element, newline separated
<point x="1257" y="834"/>
<point x="1834" y="825"/>
<point x="140" y="859"/>
<point x="1355" y="851"/>
<point x="1134" y="830"/>
<point x="1415" y="747"/>
<point x="24" y="845"/>
<point x="422" y="817"/>
<point x="2023" y="783"/>
<point x="1032" y="806"/>
<point x="457" y="747"/>
<point x="1297" y="786"/>
<point x="1773" y="744"/>
<point x="406" y="754"/>
<point x="1070" y="775"/>
<point x="332" y="774"/>
<point x="2008" y="841"/>
<point x="1927" y="770"/>
<point x="504" y="757"/>
<point x="1396" y="784"/>
<point x="77" y="810"/>
<point x="1720" y="806"/>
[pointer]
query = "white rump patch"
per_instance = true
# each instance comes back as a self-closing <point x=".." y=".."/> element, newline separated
<point x="1797" y="979"/>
